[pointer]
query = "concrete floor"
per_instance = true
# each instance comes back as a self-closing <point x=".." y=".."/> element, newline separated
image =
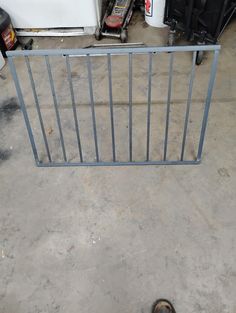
<point x="116" y="239"/>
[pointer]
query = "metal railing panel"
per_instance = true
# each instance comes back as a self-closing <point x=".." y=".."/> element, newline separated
<point x="80" y="124"/>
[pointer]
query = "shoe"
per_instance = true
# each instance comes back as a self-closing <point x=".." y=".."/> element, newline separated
<point x="163" y="306"/>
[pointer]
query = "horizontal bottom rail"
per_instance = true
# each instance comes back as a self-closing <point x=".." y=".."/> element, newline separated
<point x="70" y="164"/>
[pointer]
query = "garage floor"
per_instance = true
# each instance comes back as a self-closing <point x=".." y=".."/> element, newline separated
<point x="116" y="239"/>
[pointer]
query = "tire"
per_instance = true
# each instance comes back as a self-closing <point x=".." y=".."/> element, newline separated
<point x="124" y="36"/>
<point x="98" y="34"/>
<point x="199" y="58"/>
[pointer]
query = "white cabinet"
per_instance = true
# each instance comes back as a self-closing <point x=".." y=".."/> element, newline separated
<point x="54" y="14"/>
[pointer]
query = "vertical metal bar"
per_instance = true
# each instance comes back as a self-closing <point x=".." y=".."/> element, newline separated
<point x="130" y="107"/>
<point x="168" y="103"/>
<point x="56" y="106"/>
<point x="38" y="107"/>
<point x="111" y="107"/>
<point x="90" y="80"/>
<point x="207" y="104"/>
<point x="23" y="108"/>
<point x="189" y="102"/>
<point x="74" y="107"/>
<point x="149" y="104"/>
<point x="226" y="23"/>
<point x="221" y="18"/>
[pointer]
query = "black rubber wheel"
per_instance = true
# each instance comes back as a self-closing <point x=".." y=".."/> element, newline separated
<point x="98" y="33"/>
<point x="124" y="36"/>
<point x="199" y="58"/>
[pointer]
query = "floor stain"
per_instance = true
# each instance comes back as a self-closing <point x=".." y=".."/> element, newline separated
<point x="223" y="172"/>
<point x="145" y="25"/>
<point x="4" y="155"/>
<point x="8" y="108"/>
<point x="74" y="74"/>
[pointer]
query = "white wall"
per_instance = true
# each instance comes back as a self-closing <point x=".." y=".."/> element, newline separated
<point x="51" y="13"/>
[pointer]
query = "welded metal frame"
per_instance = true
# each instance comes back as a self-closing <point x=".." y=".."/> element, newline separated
<point x="108" y="52"/>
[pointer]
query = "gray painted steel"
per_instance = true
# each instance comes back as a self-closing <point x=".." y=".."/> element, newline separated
<point x="129" y="52"/>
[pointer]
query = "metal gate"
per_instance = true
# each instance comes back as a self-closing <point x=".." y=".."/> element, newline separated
<point x="143" y="140"/>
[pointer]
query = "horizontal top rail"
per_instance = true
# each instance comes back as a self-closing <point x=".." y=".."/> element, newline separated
<point x="113" y="51"/>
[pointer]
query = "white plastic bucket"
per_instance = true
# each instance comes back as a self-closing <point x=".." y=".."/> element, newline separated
<point x="154" y="12"/>
<point x="2" y="61"/>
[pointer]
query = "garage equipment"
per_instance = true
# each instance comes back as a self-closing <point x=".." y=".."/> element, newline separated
<point x="154" y="12"/>
<point x="8" y="40"/>
<point x="200" y="21"/>
<point x="116" y="20"/>
<point x="53" y="18"/>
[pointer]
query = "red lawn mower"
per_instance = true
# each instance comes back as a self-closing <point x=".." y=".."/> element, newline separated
<point x="116" y="20"/>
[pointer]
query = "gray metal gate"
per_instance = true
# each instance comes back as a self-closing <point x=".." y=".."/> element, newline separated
<point x="102" y="135"/>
